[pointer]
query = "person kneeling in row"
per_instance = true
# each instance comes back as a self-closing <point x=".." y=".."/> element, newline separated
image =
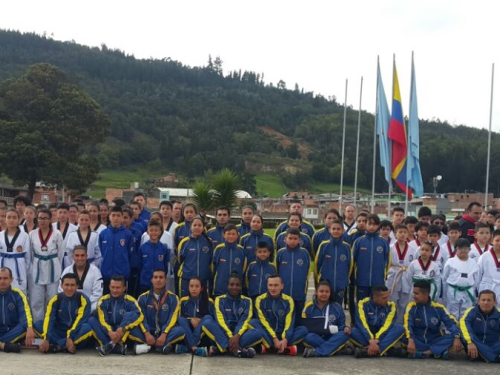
<point x="376" y="330"/>
<point x="119" y="319"/>
<point x="161" y="311"/>
<point x="423" y="320"/>
<point x="325" y="320"/>
<point x="16" y="315"/>
<point x="480" y="327"/>
<point x="65" y="326"/>
<point x="276" y="319"/>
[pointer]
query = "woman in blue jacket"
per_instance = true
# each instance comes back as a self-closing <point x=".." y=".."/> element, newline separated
<point x="250" y="240"/>
<point x="331" y="336"/>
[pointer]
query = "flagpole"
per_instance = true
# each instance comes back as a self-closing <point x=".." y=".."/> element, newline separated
<point x="357" y="144"/>
<point x="390" y="148"/>
<point x="343" y="149"/>
<point x="408" y="149"/>
<point x="372" y="210"/>
<point x="489" y="140"/>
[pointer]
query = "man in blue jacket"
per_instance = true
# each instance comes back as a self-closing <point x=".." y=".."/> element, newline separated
<point x="276" y="319"/>
<point x="66" y="320"/>
<point x="423" y="321"/>
<point x="480" y="326"/>
<point x="305" y="227"/>
<point x="216" y="234"/>
<point x="376" y="330"/>
<point x="16" y="319"/>
<point x="293" y="263"/>
<point x="117" y="248"/>
<point x="161" y="311"/>
<point x="119" y="317"/>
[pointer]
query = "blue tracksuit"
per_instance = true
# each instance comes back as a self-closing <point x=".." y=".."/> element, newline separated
<point x="305" y="242"/>
<point x="66" y="317"/>
<point x="256" y="277"/>
<point x="190" y="308"/>
<point x="113" y="313"/>
<point x="423" y="324"/>
<point x="276" y="319"/>
<point x="15" y="315"/>
<point x="250" y="241"/>
<point x="293" y="267"/>
<point x="195" y="258"/>
<point x="305" y="227"/>
<point x="216" y="234"/>
<point x="153" y="256"/>
<point x="354" y="235"/>
<point x="118" y="249"/>
<point x="227" y="258"/>
<point x="243" y="228"/>
<point x="334" y="263"/>
<point x="233" y="317"/>
<point x="482" y="330"/>
<point x="182" y="230"/>
<point x="160" y="316"/>
<point x="376" y="322"/>
<point x="139" y="225"/>
<point x="371" y="260"/>
<point x="326" y="345"/>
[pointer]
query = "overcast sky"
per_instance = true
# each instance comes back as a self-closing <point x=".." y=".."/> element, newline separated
<point x="317" y="44"/>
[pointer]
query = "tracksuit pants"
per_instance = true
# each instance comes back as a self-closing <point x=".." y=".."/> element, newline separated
<point x="386" y="341"/>
<point x="12" y="335"/>
<point x="327" y="345"/>
<point x="58" y="336"/>
<point x="193" y="336"/>
<point x="490" y="352"/>
<point x="101" y="333"/>
<point x="299" y="333"/>
<point x="175" y="335"/>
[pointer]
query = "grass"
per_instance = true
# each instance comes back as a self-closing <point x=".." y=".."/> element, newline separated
<point x="270" y="231"/>
<point x="117" y="179"/>
<point x="326" y="187"/>
<point x="269" y="185"/>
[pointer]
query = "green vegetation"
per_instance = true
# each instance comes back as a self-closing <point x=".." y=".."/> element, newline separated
<point x="270" y="185"/>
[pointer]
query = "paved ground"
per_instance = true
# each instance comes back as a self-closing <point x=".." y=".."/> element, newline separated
<point x="88" y="362"/>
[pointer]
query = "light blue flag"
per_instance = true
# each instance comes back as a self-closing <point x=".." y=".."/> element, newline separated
<point x="383" y="118"/>
<point x="414" y="173"/>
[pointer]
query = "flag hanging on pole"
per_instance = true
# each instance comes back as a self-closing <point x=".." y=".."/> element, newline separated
<point x="414" y="173"/>
<point x="397" y="135"/>
<point x="382" y="116"/>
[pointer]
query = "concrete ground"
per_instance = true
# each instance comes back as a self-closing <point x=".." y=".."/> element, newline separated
<point x="89" y="362"/>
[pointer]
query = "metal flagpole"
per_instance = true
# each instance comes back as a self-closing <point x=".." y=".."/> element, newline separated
<point x="343" y="149"/>
<point x="489" y="141"/>
<point x="408" y="140"/>
<point x="390" y="148"/>
<point x="357" y="144"/>
<point x="374" y="148"/>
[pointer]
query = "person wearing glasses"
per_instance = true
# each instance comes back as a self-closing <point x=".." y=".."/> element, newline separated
<point x="47" y="253"/>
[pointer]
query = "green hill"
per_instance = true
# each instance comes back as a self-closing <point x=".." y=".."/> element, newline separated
<point x="191" y="120"/>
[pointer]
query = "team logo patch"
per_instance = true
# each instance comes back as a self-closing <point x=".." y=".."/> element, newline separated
<point x="164" y="307"/>
<point x="19" y="249"/>
<point x="300" y="262"/>
<point x="267" y="275"/>
<point x="301" y="242"/>
<point x="237" y="261"/>
<point x="223" y="260"/>
<point x="205" y="249"/>
<point x="493" y="323"/>
<point x="122" y="311"/>
<point x="160" y="258"/>
<point x="11" y="306"/>
<point x="401" y="262"/>
<point x="332" y="318"/>
<point x="327" y="256"/>
<point x="411" y="258"/>
<point x="281" y="312"/>
<point x="192" y="250"/>
<point x="472" y="255"/>
<point x="433" y="273"/>
<point x="240" y="310"/>
<point x="382" y="315"/>
<point x="434" y="320"/>
<point x="284" y="262"/>
<point x="304" y="231"/>
<point x="122" y="242"/>
<point x="343" y="258"/>
<point x="380" y="249"/>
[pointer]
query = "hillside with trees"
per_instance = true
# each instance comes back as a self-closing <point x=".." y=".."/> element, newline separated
<point x="194" y="120"/>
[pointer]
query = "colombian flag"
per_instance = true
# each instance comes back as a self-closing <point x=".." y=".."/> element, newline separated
<point x="397" y="134"/>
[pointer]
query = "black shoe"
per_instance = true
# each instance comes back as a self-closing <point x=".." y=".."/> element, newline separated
<point x="11" y="348"/>
<point x="360" y="353"/>
<point x="397" y="353"/>
<point x="245" y="353"/>
<point x="309" y="353"/>
<point x="213" y="350"/>
<point x="346" y="350"/>
<point x="119" y="349"/>
<point x="167" y="349"/>
<point x="105" y="349"/>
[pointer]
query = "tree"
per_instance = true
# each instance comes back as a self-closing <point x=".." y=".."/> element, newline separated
<point x="203" y="197"/>
<point x="48" y="130"/>
<point x="225" y="184"/>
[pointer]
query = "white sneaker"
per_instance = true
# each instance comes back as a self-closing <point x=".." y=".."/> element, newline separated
<point x="141" y="349"/>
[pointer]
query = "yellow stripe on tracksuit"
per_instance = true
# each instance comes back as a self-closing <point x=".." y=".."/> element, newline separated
<point x="262" y="318"/>
<point x="79" y="315"/>
<point x="465" y="332"/>
<point x="46" y="321"/>
<point x="388" y="320"/>
<point x="100" y="313"/>
<point x="138" y="320"/>
<point x="289" y="316"/>
<point x="220" y="316"/>
<point x="305" y="308"/>
<point x="246" y="324"/>
<point x="407" y="318"/>
<point x="175" y="315"/>
<point x="362" y="316"/>
<point x="27" y="310"/>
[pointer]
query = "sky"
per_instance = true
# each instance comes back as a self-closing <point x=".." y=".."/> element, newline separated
<point x="316" y="44"/>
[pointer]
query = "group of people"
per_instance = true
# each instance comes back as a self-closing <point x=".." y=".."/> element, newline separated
<point x="162" y="282"/>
